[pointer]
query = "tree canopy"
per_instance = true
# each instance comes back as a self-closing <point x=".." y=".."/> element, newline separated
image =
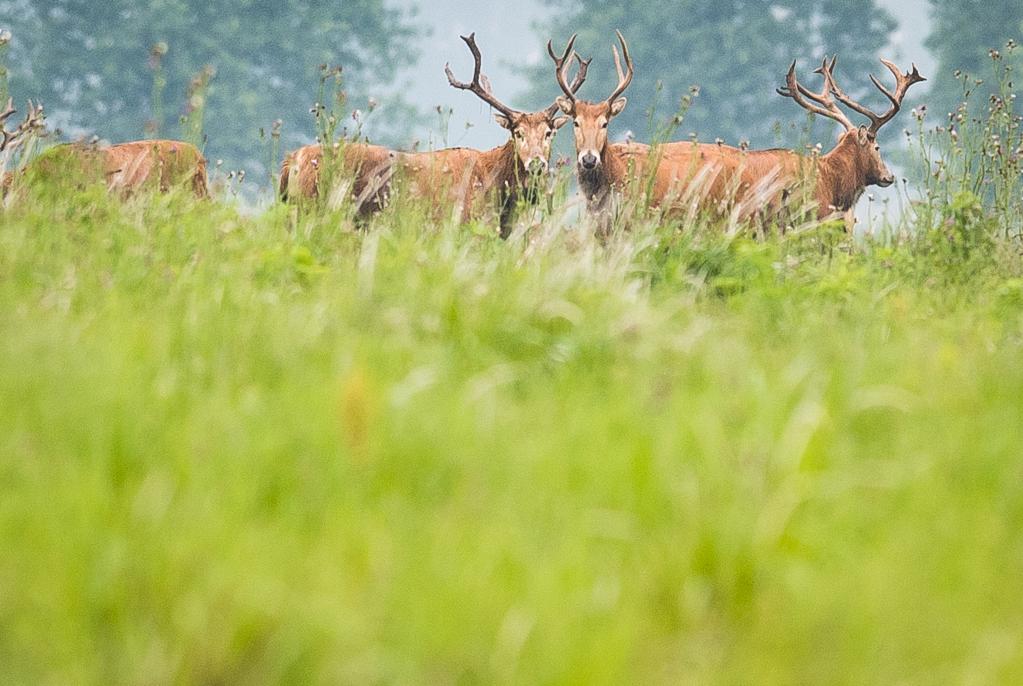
<point x="736" y="51"/>
<point x="962" y="35"/>
<point x="89" y="63"/>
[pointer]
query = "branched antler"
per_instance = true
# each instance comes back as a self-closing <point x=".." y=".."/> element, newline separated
<point x="577" y="82"/>
<point x="562" y="63"/>
<point x="829" y="108"/>
<point x="33" y="123"/>
<point x="902" y="84"/>
<point x="821" y="103"/>
<point x="624" y="78"/>
<point x="561" y="66"/>
<point x="477" y="85"/>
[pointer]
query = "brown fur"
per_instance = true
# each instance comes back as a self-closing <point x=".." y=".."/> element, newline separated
<point x="839" y="177"/>
<point x="474" y="181"/>
<point x="617" y="163"/>
<point x="128" y="167"/>
<point x="367" y="165"/>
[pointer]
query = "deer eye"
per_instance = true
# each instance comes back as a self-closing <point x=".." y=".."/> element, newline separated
<point x="604" y="125"/>
<point x="575" y="124"/>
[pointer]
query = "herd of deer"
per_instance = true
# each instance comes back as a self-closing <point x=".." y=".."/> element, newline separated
<point x="676" y="175"/>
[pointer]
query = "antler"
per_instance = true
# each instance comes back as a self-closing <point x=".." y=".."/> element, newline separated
<point x="624" y="78"/>
<point x="34" y="120"/>
<point x="902" y="81"/>
<point x="482" y="91"/>
<point x="825" y="105"/>
<point x="561" y="66"/>
<point x="577" y="82"/>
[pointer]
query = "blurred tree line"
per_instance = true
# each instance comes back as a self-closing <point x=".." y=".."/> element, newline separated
<point x="738" y="51"/>
<point x="90" y="62"/>
<point x="963" y="33"/>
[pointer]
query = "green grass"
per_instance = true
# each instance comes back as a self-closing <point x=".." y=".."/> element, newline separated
<point x="276" y="449"/>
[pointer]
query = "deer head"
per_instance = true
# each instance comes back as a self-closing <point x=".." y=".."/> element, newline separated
<point x="532" y="132"/>
<point x="862" y="140"/>
<point x="592" y="118"/>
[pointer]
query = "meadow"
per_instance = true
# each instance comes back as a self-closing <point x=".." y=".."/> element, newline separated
<point x="287" y="448"/>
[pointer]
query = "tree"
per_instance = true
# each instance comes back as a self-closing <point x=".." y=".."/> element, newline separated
<point x="87" y="61"/>
<point x="736" y="51"/>
<point x="962" y="34"/>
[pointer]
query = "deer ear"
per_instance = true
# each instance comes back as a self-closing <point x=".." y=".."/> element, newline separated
<point x="862" y="135"/>
<point x="504" y="121"/>
<point x="617" y="106"/>
<point x="559" y="122"/>
<point x="564" y="104"/>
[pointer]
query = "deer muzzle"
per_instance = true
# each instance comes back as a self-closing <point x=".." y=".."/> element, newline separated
<point x="589" y="160"/>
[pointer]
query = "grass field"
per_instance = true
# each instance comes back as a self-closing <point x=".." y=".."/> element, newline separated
<point x="280" y="449"/>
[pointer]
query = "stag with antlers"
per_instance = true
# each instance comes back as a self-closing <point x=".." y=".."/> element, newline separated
<point x="126" y="168"/>
<point x="474" y="181"/>
<point x="603" y="168"/>
<point x="839" y="177"/>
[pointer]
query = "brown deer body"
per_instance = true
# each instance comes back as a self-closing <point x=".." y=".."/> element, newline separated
<point x="163" y="164"/>
<point x="366" y="165"/>
<point x="127" y="168"/>
<point x="838" y="178"/>
<point x="474" y="181"/>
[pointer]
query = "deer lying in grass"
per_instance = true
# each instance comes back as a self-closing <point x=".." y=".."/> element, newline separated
<point x="474" y="181"/>
<point x="838" y="178"/>
<point x="126" y="168"/>
<point x="163" y="164"/>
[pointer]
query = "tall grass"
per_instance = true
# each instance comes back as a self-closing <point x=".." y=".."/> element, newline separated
<point x="286" y="448"/>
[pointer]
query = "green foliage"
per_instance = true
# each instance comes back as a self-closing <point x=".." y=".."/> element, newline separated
<point x="282" y="448"/>
<point x="736" y="52"/>
<point x="288" y="448"/>
<point x="88" y="62"/>
<point x="971" y="163"/>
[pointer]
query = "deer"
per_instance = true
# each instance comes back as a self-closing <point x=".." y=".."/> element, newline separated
<point x="368" y="166"/>
<point x="473" y="180"/>
<point x="126" y="168"/>
<point x="603" y="169"/>
<point x="838" y="177"/>
<point x="163" y="164"/>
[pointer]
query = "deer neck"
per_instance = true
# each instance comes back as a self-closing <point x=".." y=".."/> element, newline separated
<point x="598" y="184"/>
<point x="504" y="170"/>
<point x="841" y="177"/>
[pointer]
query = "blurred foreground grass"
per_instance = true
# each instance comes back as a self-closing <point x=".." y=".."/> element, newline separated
<point x="278" y="450"/>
